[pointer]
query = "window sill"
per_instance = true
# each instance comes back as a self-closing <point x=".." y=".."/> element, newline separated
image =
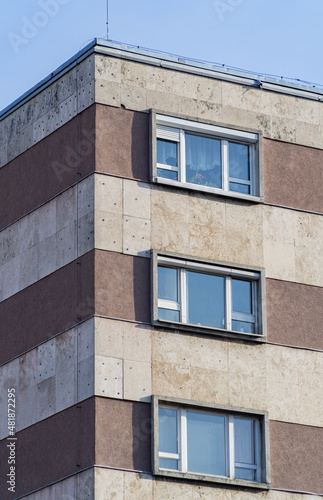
<point x="211" y="479"/>
<point x="208" y="189"/>
<point x="256" y="337"/>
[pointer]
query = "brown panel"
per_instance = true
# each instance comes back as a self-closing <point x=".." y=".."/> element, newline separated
<point x="123" y="434"/>
<point x="47" y="307"/>
<point x="122" y="286"/>
<point x="296" y="455"/>
<point x="51" y="449"/>
<point x="48" y="167"/>
<point x="293" y="175"/>
<point x="122" y="142"/>
<point x="294" y="314"/>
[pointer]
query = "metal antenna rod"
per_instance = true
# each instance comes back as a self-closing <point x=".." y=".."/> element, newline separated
<point x="107" y="19"/>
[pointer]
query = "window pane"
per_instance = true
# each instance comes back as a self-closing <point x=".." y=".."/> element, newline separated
<point x="239" y="161"/>
<point x="168" y="430"/>
<point x="168" y="315"/>
<point x="244" y="441"/>
<point x="167" y="174"/>
<point x="167" y="283"/>
<point x="241" y="296"/>
<point x="203" y="160"/>
<point x="239" y="188"/>
<point x="168" y="463"/>
<point x="167" y="152"/>
<point x="243" y="326"/>
<point x="205" y="299"/>
<point x="206" y="443"/>
<point x="246" y="474"/>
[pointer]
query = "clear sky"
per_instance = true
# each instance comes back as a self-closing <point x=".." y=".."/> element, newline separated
<point x="276" y="37"/>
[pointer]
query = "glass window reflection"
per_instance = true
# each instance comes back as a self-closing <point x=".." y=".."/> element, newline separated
<point x="205" y="299"/>
<point x="167" y="152"/>
<point x="203" y="160"/>
<point x="206" y="443"/>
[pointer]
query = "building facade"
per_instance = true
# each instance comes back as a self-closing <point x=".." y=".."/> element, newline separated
<point x="161" y="264"/>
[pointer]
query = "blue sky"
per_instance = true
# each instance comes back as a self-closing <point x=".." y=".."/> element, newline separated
<point x="276" y="37"/>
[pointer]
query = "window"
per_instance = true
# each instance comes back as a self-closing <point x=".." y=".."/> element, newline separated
<point x="215" y="441"/>
<point x="206" y="157"/>
<point x="207" y="295"/>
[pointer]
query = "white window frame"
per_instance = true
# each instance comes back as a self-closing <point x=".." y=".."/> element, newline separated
<point x="218" y="269"/>
<point x="174" y="129"/>
<point x="261" y="442"/>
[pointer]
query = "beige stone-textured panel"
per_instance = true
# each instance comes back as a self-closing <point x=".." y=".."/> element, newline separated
<point x="171" y="103"/>
<point x="136" y="236"/>
<point x="108" y="194"/>
<point x="46" y="378"/>
<point x="308" y="134"/>
<point x="47" y="111"/>
<point x="109" y="484"/>
<point x="138" y="486"/>
<point x="309" y="249"/>
<point x="137" y="381"/>
<point x="287" y="243"/>
<point x="281" y="380"/>
<point x="109" y="377"/>
<point x="219" y="230"/>
<point x="108" y="93"/>
<point x="44" y="240"/>
<point x="283" y="129"/>
<point x="108" y="68"/>
<point x="108" y="230"/>
<point x="125" y="485"/>
<point x="122" y="360"/>
<point x="158" y="78"/>
<point x="246" y="98"/>
<point x="133" y="97"/>
<point x="293" y="246"/>
<point x="242" y="118"/>
<point x="136" y="199"/>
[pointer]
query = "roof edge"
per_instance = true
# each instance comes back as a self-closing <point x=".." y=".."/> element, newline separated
<point x="153" y="57"/>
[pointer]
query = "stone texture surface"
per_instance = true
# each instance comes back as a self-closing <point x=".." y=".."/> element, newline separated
<point x="46" y="239"/>
<point x="47" y="111"/>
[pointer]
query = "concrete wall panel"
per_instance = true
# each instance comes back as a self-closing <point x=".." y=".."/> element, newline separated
<point x="51" y="377"/>
<point x="285" y="242"/>
<point x="79" y="486"/>
<point x="123" y="485"/>
<point x="47" y="308"/>
<point x="40" y="243"/>
<point x="283" y="381"/>
<point x="48" y="110"/>
<point x="69" y="436"/>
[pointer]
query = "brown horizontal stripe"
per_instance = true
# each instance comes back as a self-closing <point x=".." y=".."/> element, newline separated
<point x="48" y="167"/>
<point x="122" y="286"/>
<point x="59" y="301"/>
<point x="51" y="449"/>
<point x="294" y="314"/>
<point x="122" y="142"/>
<point x="123" y="434"/>
<point x="296" y="456"/>
<point x="47" y="307"/>
<point x="293" y="175"/>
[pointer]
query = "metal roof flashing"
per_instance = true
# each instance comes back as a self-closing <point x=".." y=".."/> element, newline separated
<point x="169" y="61"/>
